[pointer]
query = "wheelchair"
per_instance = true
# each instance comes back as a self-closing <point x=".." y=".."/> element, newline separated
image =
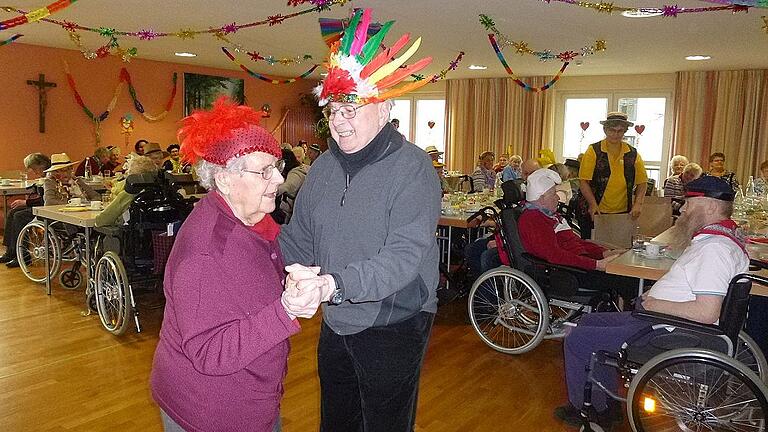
<point x="136" y="252"/>
<point x="514" y="307"/>
<point x="682" y="375"/>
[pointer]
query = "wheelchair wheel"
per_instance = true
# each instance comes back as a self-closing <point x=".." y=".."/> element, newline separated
<point x="508" y="310"/>
<point x="70" y="279"/>
<point x="696" y="390"/>
<point x="30" y="250"/>
<point x="113" y="302"/>
<point x="749" y="354"/>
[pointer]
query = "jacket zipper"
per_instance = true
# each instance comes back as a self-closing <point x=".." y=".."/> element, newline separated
<point x="344" y="194"/>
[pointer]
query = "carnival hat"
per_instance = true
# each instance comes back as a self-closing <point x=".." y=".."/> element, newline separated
<point x="710" y="187"/>
<point x="616" y="117"/>
<point x="432" y="150"/>
<point x="154" y="147"/>
<point x="540" y="181"/>
<point x="60" y="161"/>
<point x="224" y="132"/>
<point x="358" y="73"/>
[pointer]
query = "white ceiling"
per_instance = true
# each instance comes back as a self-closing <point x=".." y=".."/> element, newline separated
<point x="634" y="46"/>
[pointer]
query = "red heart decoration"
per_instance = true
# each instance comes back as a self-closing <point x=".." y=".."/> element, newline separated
<point x="431" y="124"/>
<point x="639" y="129"/>
<point x="584" y="125"/>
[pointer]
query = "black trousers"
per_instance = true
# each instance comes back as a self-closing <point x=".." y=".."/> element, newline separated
<point x="369" y="381"/>
<point x="17" y="219"/>
<point x="626" y="287"/>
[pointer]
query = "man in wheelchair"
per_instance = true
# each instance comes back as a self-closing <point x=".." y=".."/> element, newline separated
<point x="546" y="235"/>
<point x="694" y="289"/>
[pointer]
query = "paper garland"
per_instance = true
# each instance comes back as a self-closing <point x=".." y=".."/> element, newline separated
<point x="35" y="15"/>
<point x="519" y="82"/>
<point x="11" y="39"/>
<point x="139" y="107"/>
<point x="264" y="77"/>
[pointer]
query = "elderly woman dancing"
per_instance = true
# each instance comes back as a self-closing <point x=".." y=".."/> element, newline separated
<point x="223" y="349"/>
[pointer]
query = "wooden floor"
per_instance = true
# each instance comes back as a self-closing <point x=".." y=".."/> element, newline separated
<point x="60" y="371"/>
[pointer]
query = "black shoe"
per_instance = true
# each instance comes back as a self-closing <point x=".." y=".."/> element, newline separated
<point x="569" y="415"/>
<point x="14" y="263"/>
<point x="6" y="258"/>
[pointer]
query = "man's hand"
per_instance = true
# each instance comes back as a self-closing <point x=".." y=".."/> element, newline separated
<point x="301" y="303"/>
<point x="19" y="203"/>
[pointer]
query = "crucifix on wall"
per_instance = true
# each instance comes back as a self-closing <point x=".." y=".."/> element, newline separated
<point x="42" y="99"/>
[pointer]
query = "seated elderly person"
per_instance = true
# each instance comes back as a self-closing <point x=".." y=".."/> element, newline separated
<point x="546" y="235"/>
<point x="96" y="163"/>
<point x="440" y="169"/>
<point x="512" y="171"/>
<point x="114" y="213"/>
<point x="61" y="185"/>
<point x="672" y="183"/>
<point x="484" y="177"/>
<point x="20" y="213"/>
<point x="174" y="163"/>
<point x="674" y="187"/>
<point x="693" y="289"/>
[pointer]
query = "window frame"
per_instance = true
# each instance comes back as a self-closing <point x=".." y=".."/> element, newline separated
<point x="414" y="98"/>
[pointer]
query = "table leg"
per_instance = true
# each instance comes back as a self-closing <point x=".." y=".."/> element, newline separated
<point x="448" y="258"/>
<point x="88" y="260"/>
<point x="640" y="286"/>
<point x="5" y="209"/>
<point x="47" y="258"/>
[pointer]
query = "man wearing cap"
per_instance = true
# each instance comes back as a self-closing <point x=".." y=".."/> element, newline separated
<point x="313" y="152"/>
<point x="693" y="289"/>
<point x="367" y="215"/>
<point x="612" y="173"/>
<point x="546" y="235"/>
<point x="440" y="170"/>
<point x="153" y="151"/>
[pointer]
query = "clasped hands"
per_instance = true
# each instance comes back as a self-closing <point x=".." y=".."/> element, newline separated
<point x="305" y="289"/>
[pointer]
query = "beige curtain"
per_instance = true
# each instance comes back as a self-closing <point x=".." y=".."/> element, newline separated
<point x="725" y="111"/>
<point x="497" y="115"/>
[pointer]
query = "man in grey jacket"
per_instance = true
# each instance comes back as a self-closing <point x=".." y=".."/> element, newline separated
<point x="366" y="217"/>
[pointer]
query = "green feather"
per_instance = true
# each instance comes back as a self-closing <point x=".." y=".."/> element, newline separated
<point x="349" y="33"/>
<point x="372" y="46"/>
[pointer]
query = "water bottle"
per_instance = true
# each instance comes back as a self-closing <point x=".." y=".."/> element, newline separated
<point x="638" y="240"/>
<point x="497" y="187"/>
<point x="751" y="187"/>
<point x="87" y="173"/>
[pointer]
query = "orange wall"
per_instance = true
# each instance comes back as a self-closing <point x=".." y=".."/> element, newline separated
<point x="68" y="129"/>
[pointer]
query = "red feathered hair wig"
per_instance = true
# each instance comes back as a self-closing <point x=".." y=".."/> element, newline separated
<point x="226" y="131"/>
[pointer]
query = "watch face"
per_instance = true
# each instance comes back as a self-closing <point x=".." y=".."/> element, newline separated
<point x="336" y="297"/>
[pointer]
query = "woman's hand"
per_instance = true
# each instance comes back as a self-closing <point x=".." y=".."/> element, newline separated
<point x="593" y="210"/>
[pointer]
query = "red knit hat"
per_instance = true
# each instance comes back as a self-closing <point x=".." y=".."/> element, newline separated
<point x="226" y="131"/>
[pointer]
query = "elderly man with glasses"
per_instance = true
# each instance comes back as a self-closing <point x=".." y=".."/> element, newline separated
<point x="367" y="216"/>
<point x="612" y="174"/>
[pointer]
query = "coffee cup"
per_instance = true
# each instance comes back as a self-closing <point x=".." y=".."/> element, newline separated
<point x="75" y="201"/>
<point x="652" y="249"/>
<point x="96" y="205"/>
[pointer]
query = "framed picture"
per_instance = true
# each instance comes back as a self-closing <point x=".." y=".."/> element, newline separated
<point x="201" y="90"/>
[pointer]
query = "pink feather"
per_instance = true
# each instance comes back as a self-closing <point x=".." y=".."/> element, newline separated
<point x="361" y="33"/>
<point x="384" y="57"/>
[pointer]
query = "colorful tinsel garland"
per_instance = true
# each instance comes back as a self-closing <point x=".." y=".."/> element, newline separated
<point x="517" y="80"/>
<point x="264" y="77"/>
<point x="665" y="11"/>
<point x="522" y="47"/>
<point x="11" y="39"/>
<point x="269" y="59"/>
<point x="35" y="15"/>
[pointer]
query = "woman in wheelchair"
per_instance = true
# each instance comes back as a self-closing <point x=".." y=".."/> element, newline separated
<point x="61" y="185"/>
<point x="545" y="235"/>
<point x="693" y="289"/>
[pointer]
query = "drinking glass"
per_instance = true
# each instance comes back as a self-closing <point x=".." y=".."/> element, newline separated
<point x="106" y="173"/>
<point x="106" y="197"/>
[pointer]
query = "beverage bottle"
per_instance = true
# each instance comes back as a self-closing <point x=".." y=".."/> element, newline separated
<point x="751" y="187"/>
<point x="87" y="173"/>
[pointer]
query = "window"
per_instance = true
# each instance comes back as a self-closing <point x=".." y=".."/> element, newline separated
<point x="648" y="111"/>
<point x="422" y="119"/>
<point x="402" y="112"/>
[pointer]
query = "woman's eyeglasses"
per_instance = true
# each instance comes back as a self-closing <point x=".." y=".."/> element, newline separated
<point x="347" y="111"/>
<point x="268" y="170"/>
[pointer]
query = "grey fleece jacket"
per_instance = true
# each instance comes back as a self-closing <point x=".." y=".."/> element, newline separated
<point x="378" y="242"/>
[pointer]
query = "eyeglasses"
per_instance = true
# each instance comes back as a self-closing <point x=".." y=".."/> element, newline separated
<point x="268" y="170"/>
<point x="347" y="111"/>
<point x="617" y="130"/>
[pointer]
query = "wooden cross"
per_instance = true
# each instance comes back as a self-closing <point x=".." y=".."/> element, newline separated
<point x="42" y="99"/>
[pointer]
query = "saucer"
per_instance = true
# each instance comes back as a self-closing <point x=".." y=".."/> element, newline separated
<point x="653" y="257"/>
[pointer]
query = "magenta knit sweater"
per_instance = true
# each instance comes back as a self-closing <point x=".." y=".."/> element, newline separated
<point x="223" y="349"/>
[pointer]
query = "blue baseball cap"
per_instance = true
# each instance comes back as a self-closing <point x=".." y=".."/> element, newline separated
<point x="710" y="187"/>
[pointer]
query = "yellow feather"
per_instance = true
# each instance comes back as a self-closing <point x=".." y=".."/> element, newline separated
<point x="394" y="64"/>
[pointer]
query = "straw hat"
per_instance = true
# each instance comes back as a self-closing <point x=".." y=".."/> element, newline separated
<point x="154" y="147"/>
<point x="60" y="161"/>
<point x="432" y="150"/>
<point x="617" y="117"/>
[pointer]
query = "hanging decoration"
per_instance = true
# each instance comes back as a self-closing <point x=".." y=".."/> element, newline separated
<point x="188" y="33"/>
<point x="750" y="3"/>
<point x="125" y="76"/>
<point x="525" y="86"/>
<point x="269" y="59"/>
<point x="522" y="47"/>
<point x="35" y="15"/>
<point x="442" y="74"/>
<point x="264" y="77"/>
<point x="584" y="127"/>
<point x="666" y="11"/>
<point x="639" y="129"/>
<point x="11" y="39"/>
<point x="104" y="50"/>
<point x="126" y="128"/>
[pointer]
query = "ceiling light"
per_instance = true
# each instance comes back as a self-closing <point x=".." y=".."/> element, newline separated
<point x="324" y="74"/>
<point x="185" y="54"/>
<point x="478" y="67"/>
<point x="639" y="13"/>
<point x="698" y="57"/>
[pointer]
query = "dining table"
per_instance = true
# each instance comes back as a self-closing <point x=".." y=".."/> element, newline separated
<point x="13" y="187"/>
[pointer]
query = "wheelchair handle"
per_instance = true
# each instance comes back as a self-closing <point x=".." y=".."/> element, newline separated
<point x="484" y="213"/>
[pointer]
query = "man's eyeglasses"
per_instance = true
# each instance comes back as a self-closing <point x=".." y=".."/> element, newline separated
<point x="347" y="111"/>
<point x="268" y="170"/>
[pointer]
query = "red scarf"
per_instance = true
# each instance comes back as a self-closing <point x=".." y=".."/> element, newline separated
<point x="725" y="228"/>
<point x="266" y="228"/>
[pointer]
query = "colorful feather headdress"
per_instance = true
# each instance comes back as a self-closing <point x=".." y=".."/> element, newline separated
<point x="359" y="73"/>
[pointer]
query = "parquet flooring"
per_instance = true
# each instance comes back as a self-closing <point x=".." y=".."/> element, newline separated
<point x="60" y="371"/>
